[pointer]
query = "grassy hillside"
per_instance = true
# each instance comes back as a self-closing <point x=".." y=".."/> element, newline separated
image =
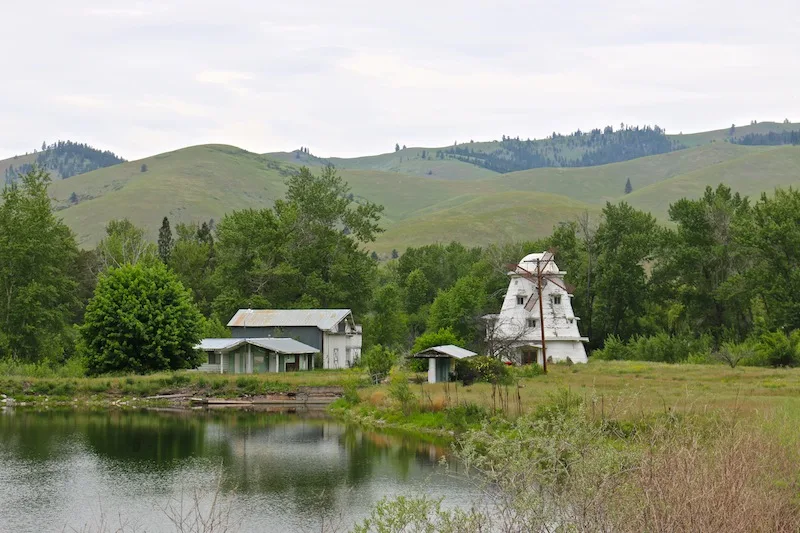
<point x="15" y="162"/>
<point x="407" y="161"/>
<point x="411" y="161"/>
<point x="205" y="182"/>
<point x="750" y="175"/>
<point x="607" y="182"/>
<point x="485" y="219"/>
<point x="456" y="200"/>
<point x="699" y="139"/>
<point x="191" y="184"/>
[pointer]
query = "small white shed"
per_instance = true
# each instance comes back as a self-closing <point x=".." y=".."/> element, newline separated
<point x="442" y="361"/>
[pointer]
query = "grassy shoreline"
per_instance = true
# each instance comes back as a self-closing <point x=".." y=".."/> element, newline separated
<point x="626" y="391"/>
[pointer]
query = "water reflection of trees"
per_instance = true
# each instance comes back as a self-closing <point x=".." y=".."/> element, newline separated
<point x="309" y="461"/>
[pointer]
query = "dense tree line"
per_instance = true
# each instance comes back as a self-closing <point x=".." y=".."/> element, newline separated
<point x="579" y="149"/>
<point x="722" y="279"/>
<point x="772" y="138"/>
<point x="68" y="159"/>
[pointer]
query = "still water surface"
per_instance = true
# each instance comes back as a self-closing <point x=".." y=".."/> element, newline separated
<point x="65" y="470"/>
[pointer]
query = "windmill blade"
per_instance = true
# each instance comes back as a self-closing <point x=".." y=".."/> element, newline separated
<point x="534" y="298"/>
<point x="530" y="305"/>
<point x="555" y="281"/>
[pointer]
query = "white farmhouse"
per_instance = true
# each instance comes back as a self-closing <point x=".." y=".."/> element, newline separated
<point x="332" y="332"/>
<point x="515" y="334"/>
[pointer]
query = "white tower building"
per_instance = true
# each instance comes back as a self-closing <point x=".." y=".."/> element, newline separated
<point x="515" y="334"/>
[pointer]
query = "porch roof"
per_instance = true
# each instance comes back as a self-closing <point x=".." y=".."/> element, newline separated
<point x="283" y="345"/>
<point x="273" y="344"/>
<point x="219" y="345"/>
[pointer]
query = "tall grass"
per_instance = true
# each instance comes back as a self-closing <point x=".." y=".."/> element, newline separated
<point x="564" y="469"/>
<point x="74" y="367"/>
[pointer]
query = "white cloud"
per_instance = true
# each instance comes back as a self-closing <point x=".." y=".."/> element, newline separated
<point x="222" y="77"/>
<point x="83" y="101"/>
<point x="174" y="106"/>
<point x="351" y="77"/>
<point x="116" y="12"/>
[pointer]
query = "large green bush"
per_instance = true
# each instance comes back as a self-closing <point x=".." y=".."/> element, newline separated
<point x="776" y="348"/>
<point x="661" y="348"/>
<point x="141" y="319"/>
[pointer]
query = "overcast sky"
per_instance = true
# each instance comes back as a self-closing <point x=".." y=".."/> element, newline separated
<point x="351" y="78"/>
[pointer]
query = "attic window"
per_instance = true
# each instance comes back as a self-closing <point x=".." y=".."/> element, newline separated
<point x="531" y="322"/>
<point x="557" y="299"/>
<point x="520" y="300"/>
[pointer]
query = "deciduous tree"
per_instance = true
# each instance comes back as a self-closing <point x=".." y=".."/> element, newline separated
<point x="141" y="319"/>
<point x="38" y="257"/>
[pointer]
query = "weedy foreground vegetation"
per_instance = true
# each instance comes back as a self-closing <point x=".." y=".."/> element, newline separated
<point x="609" y="446"/>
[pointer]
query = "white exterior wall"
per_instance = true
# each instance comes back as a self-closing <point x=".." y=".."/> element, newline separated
<point x="334" y="348"/>
<point x="341" y="350"/>
<point x="561" y="325"/>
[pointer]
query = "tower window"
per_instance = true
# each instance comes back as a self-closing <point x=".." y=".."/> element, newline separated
<point x="520" y="300"/>
<point x="557" y="299"/>
<point x="531" y="322"/>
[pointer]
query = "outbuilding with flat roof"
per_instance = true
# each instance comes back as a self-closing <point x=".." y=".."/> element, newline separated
<point x="442" y="361"/>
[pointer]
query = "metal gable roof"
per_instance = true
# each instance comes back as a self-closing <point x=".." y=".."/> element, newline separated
<point x="448" y="350"/>
<point x="324" y="319"/>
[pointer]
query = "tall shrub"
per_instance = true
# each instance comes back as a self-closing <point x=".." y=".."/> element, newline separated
<point x="141" y="319"/>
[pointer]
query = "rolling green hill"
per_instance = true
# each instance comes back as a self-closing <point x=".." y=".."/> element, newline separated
<point x="699" y="139"/>
<point x="456" y="200"/>
<point x="202" y="182"/>
<point x="15" y="162"/>
<point x="406" y="161"/>
<point x="750" y="175"/>
<point x="485" y="219"/>
<point x="607" y="182"/>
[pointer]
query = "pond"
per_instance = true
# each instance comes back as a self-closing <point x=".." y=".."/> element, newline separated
<point x="64" y="470"/>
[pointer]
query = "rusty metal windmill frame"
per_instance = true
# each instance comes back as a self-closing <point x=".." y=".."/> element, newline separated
<point x="540" y="279"/>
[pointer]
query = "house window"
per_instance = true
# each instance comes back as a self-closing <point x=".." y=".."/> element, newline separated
<point x="520" y="300"/>
<point x="557" y="299"/>
<point x="531" y="322"/>
<point x="212" y="358"/>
